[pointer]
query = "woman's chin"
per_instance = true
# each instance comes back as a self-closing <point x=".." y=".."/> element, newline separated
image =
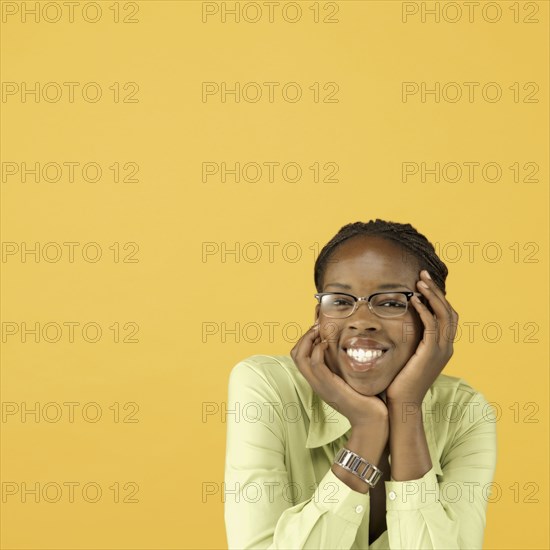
<point x="366" y="388"/>
<point x="363" y="385"/>
<point x="360" y="384"/>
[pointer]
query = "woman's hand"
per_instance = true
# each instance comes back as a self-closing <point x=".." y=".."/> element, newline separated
<point x="434" y="350"/>
<point x="360" y="410"/>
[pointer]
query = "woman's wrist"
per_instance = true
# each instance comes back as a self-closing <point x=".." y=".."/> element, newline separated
<point x="408" y="444"/>
<point x="369" y="444"/>
<point x="415" y="399"/>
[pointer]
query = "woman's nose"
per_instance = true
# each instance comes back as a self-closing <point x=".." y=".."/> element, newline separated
<point x="364" y="318"/>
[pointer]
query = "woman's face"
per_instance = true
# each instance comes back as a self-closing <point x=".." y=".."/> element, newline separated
<point x="362" y="266"/>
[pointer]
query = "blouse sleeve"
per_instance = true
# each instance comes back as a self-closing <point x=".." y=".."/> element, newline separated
<point x="448" y="512"/>
<point x="258" y="493"/>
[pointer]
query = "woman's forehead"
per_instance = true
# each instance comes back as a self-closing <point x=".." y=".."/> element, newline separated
<point x="371" y="256"/>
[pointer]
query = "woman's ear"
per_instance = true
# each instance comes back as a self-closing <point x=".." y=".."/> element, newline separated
<point x="317" y="308"/>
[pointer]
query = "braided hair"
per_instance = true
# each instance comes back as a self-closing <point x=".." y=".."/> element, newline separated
<point x="404" y="234"/>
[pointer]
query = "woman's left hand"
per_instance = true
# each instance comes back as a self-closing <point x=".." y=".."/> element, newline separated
<point x="434" y="350"/>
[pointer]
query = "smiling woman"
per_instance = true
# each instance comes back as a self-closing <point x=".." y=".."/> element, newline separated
<point x="365" y="463"/>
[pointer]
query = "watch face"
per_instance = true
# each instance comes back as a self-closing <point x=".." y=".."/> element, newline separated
<point x="353" y="463"/>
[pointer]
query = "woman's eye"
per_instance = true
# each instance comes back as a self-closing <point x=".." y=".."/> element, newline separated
<point x="392" y="304"/>
<point x="341" y="303"/>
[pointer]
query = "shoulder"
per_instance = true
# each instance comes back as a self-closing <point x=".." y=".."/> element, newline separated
<point x="275" y="373"/>
<point x="461" y="424"/>
<point x="452" y="389"/>
<point x="453" y="404"/>
<point x="268" y="367"/>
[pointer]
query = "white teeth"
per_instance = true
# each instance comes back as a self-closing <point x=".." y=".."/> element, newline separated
<point x="364" y="355"/>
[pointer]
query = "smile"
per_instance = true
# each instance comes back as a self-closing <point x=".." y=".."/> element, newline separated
<point x="364" y="355"/>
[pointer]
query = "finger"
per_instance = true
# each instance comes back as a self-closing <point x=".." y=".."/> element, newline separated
<point x="425" y="277"/>
<point x="304" y="344"/>
<point x="313" y="367"/>
<point x="443" y="332"/>
<point x="449" y="322"/>
<point x="323" y="376"/>
<point x="301" y="353"/>
<point x="316" y="342"/>
<point x="318" y="355"/>
<point x="431" y="332"/>
<point x="440" y="307"/>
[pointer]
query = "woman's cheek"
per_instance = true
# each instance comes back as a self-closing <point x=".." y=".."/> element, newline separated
<point x="331" y="358"/>
<point x="411" y="333"/>
<point x="329" y="331"/>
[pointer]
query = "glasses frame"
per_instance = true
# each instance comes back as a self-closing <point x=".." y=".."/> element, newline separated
<point x="408" y="294"/>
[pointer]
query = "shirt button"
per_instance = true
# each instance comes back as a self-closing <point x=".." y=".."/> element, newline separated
<point x="392" y="495"/>
<point x="359" y="509"/>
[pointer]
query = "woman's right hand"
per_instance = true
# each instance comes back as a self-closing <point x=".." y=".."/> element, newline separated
<point x="362" y="411"/>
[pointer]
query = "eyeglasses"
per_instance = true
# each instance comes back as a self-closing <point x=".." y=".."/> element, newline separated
<point x="339" y="305"/>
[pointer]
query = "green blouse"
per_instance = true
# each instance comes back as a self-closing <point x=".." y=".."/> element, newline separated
<point x="279" y="489"/>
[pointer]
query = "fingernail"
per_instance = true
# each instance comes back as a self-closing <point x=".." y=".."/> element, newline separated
<point x="427" y="274"/>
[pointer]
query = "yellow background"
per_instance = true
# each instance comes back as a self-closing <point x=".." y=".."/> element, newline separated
<point x="180" y="300"/>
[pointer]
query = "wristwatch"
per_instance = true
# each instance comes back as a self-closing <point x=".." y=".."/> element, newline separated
<point x="357" y="465"/>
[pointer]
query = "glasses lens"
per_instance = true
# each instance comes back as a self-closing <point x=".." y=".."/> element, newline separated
<point x="391" y="304"/>
<point x="337" y="305"/>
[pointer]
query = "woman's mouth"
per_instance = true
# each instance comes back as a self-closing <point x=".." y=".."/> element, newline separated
<point x="363" y="359"/>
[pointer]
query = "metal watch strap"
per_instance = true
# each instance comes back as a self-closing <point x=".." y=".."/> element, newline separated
<point x="357" y="465"/>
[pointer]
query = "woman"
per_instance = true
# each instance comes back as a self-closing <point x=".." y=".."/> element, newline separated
<point x="357" y="440"/>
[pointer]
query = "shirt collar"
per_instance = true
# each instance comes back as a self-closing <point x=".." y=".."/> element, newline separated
<point x="326" y="424"/>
